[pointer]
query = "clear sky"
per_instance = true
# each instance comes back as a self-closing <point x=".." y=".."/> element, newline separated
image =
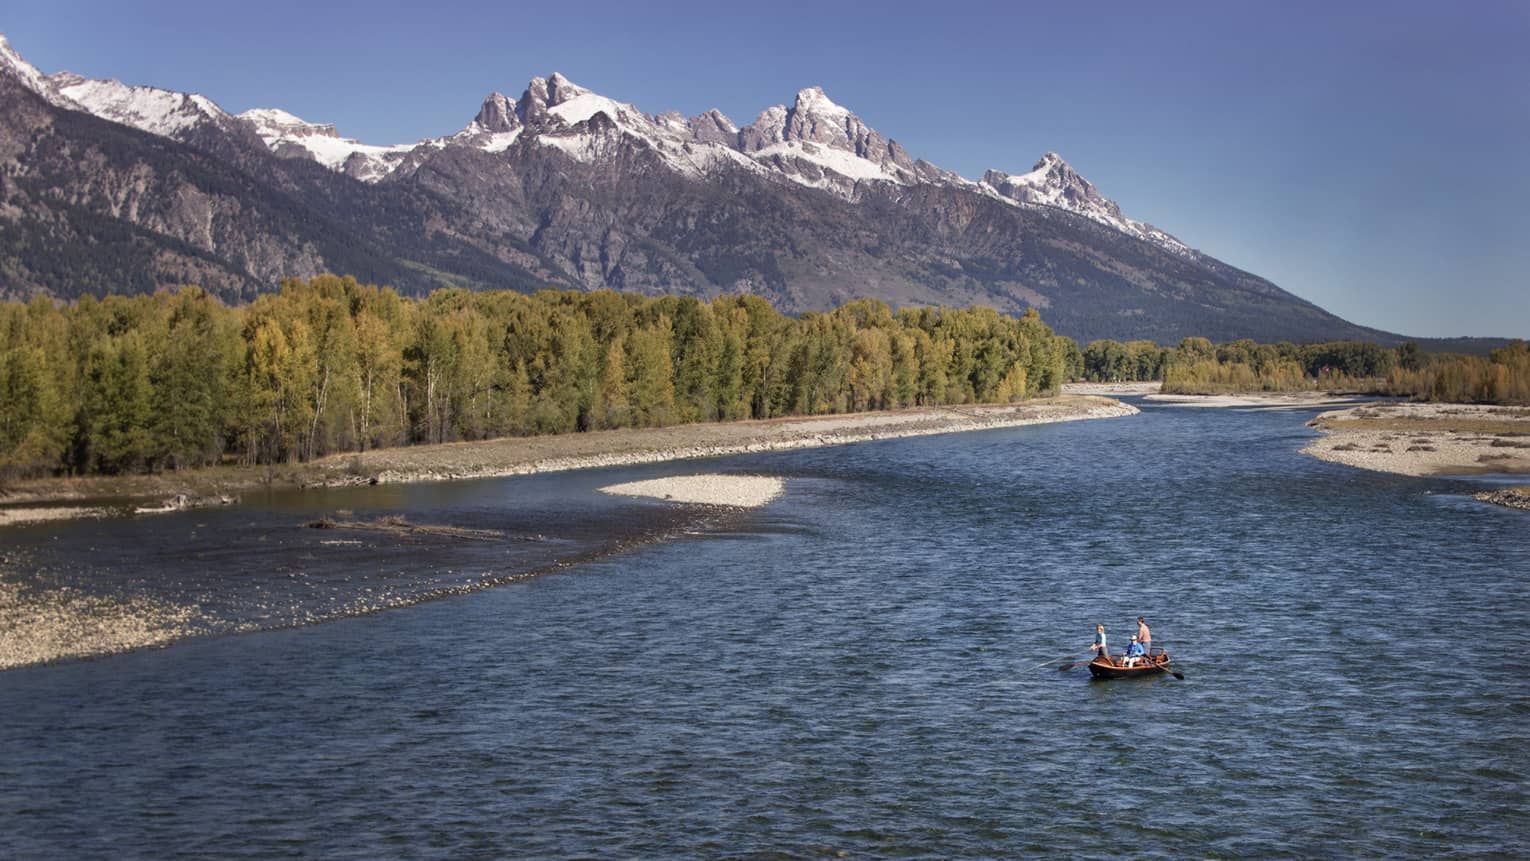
<point x="1373" y="158"/>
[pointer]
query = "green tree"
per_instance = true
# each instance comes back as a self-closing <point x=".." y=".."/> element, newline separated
<point x="118" y="404"/>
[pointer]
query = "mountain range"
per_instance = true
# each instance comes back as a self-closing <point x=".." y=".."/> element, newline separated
<point x="110" y="187"/>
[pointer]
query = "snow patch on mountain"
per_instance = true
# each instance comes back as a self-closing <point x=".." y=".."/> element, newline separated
<point x="791" y="156"/>
<point x="1053" y="182"/>
<point x="585" y="105"/>
<point x="499" y="141"/>
<point x="160" y="112"/>
<point x="291" y="136"/>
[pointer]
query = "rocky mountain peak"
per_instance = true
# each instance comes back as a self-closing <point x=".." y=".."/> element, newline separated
<point x="1054" y="182"/>
<point x="814" y="99"/>
<point x="713" y="126"/>
<point x="497" y="114"/>
<point x="817" y="118"/>
<point x="561" y="89"/>
<point x="532" y="106"/>
<point x="543" y="94"/>
<point x="768" y="128"/>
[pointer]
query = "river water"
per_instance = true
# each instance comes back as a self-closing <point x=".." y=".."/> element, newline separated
<point x="852" y="671"/>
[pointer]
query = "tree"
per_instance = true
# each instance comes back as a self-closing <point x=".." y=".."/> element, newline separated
<point x="612" y="407"/>
<point x="188" y="378"/>
<point x="118" y="404"/>
<point x="379" y="365"/>
<point x="651" y="382"/>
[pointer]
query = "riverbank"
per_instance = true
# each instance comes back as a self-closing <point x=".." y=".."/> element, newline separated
<point x="1426" y="439"/>
<point x="81" y="497"/>
<point x="1153" y="393"/>
<point x="523" y="456"/>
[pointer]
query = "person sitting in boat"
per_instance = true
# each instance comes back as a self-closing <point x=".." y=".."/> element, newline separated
<point x="1134" y="653"/>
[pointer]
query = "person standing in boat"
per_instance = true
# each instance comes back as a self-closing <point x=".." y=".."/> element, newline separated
<point x="1144" y="636"/>
<point x="1099" y="643"/>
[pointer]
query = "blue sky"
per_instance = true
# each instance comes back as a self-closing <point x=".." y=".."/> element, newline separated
<point x="1372" y="158"/>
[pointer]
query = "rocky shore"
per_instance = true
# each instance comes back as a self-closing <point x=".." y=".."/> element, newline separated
<point x="1512" y="497"/>
<point x="1430" y="439"/>
<point x="38" y="626"/>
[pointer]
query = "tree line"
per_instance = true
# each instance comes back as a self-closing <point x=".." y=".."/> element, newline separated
<point x="329" y="365"/>
<point x="178" y="379"/>
<point x="1196" y="366"/>
<point x="1243" y="363"/>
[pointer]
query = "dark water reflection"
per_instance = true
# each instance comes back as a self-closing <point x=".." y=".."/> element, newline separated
<point x="852" y="669"/>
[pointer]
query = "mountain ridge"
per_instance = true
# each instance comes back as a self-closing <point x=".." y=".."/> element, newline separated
<point x="806" y="205"/>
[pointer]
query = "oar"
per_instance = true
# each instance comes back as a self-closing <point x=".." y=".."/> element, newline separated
<point x="1053" y="661"/>
<point x="1173" y="672"/>
<point x="1066" y="667"/>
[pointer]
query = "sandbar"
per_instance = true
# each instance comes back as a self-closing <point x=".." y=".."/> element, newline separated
<point x="1255" y="400"/>
<point x="738" y="491"/>
<point x="1426" y="439"/>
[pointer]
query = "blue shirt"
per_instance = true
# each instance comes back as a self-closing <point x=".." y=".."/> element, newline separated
<point x="1135" y="650"/>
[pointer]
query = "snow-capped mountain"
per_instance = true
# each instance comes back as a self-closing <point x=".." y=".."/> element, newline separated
<point x="109" y="186"/>
<point x="814" y="142"/>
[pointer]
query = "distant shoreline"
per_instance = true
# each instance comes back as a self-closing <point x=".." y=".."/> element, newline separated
<point x="62" y="498"/>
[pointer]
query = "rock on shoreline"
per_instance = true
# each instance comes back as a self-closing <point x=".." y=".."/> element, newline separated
<point x="1513" y="497"/>
<point x="42" y="625"/>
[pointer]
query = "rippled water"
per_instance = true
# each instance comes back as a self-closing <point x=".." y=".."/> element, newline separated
<point x="854" y="669"/>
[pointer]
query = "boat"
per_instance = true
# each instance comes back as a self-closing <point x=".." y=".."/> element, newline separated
<point x="1151" y="665"/>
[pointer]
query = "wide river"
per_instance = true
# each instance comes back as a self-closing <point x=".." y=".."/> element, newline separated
<point x="853" y="671"/>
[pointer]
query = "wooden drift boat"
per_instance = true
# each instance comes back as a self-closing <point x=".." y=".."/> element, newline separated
<point x="1111" y="668"/>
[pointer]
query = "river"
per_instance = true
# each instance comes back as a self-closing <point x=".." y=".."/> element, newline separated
<point x="854" y="670"/>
